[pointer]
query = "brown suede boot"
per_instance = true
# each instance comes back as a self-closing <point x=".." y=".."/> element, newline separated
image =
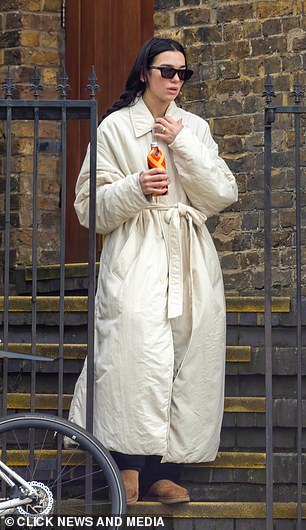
<point x="167" y="492"/>
<point x="130" y="479"/>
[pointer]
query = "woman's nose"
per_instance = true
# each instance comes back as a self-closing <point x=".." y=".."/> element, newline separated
<point x="176" y="77"/>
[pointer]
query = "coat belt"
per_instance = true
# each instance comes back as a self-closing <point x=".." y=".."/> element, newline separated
<point x="173" y="218"/>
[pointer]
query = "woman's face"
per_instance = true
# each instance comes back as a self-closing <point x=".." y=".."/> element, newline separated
<point x="160" y="88"/>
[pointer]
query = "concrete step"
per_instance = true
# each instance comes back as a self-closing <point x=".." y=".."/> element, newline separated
<point x="245" y="460"/>
<point x="50" y="304"/>
<point x="51" y="272"/>
<point x="21" y="401"/>
<point x="215" y="515"/>
<point x="220" y="515"/>
<point x="48" y="278"/>
<point x="218" y="510"/>
<point x="241" y="360"/>
<point x="246" y="413"/>
<point x="234" y="354"/>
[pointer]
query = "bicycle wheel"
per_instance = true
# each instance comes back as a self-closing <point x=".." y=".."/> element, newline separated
<point x="34" y="449"/>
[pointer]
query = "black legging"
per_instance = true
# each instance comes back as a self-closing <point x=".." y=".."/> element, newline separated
<point x="149" y="467"/>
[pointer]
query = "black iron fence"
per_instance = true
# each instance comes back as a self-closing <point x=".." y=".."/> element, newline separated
<point x="297" y="111"/>
<point x="61" y="110"/>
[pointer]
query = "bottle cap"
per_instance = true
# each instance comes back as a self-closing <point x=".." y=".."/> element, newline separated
<point x="154" y="144"/>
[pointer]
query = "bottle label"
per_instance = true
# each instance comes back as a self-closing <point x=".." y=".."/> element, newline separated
<point x="156" y="159"/>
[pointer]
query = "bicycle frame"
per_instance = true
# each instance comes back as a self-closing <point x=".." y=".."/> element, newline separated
<point x="36" y="492"/>
<point x="8" y="506"/>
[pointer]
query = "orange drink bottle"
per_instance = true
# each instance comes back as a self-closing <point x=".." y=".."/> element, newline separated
<point x="156" y="158"/>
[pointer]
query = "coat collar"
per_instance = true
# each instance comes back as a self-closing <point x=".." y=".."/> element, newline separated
<point x="143" y="120"/>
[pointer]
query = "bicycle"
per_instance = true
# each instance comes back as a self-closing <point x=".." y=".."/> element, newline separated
<point x="43" y="478"/>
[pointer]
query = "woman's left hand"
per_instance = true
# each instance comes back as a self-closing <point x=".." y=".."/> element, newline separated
<point x="167" y="128"/>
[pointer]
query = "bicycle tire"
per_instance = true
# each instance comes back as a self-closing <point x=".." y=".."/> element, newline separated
<point x="81" y="441"/>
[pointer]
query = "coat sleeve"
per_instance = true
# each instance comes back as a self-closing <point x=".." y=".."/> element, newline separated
<point x="205" y="177"/>
<point x="119" y="196"/>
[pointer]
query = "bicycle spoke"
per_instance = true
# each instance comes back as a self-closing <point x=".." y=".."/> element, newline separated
<point x="34" y="447"/>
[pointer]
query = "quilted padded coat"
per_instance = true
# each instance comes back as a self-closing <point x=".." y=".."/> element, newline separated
<point x="160" y="311"/>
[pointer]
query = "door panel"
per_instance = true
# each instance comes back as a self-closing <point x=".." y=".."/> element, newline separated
<point x="107" y="34"/>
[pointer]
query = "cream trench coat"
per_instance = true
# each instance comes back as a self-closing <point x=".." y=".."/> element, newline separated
<point x="160" y="308"/>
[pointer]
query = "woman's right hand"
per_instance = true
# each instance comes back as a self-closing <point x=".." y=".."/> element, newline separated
<point x="153" y="181"/>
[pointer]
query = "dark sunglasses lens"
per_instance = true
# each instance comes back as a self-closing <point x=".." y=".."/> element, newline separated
<point x="168" y="73"/>
<point x="186" y="75"/>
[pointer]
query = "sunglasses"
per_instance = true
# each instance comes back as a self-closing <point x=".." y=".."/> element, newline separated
<point x="167" y="72"/>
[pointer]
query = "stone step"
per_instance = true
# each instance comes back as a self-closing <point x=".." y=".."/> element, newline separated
<point x="226" y="515"/>
<point x="241" y="361"/>
<point x="217" y="510"/>
<point x="52" y="272"/>
<point x="21" y="401"/>
<point x="50" y="304"/>
<point x="48" y="278"/>
<point x="234" y="354"/>
<point x="243" y="413"/>
<point x="243" y="460"/>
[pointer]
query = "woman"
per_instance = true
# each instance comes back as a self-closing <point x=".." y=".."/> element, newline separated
<point x="160" y="309"/>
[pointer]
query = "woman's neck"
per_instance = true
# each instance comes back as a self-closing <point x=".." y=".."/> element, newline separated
<point x="156" y="107"/>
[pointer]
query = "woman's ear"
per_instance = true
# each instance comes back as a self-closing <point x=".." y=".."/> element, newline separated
<point x="143" y="77"/>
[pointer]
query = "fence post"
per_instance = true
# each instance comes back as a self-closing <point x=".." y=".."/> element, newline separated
<point x="269" y="118"/>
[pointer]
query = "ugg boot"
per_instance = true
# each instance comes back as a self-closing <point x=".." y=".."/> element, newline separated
<point x="130" y="479"/>
<point x="167" y="492"/>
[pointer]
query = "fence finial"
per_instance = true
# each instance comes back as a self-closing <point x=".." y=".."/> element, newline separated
<point x="8" y="84"/>
<point x="36" y="85"/>
<point x="298" y="91"/>
<point x="268" y="91"/>
<point x="63" y="86"/>
<point x="92" y="85"/>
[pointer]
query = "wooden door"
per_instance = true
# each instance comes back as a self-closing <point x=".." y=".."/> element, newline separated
<point x="107" y="34"/>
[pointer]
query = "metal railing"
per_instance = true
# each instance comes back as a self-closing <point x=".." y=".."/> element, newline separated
<point x="61" y="110"/>
<point x="297" y="110"/>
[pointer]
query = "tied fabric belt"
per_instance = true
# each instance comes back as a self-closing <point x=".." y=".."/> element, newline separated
<point x="173" y="218"/>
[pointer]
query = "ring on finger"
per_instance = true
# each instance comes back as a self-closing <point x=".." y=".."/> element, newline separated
<point x="163" y="129"/>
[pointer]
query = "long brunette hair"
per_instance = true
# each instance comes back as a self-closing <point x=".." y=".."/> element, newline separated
<point x="134" y="86"/>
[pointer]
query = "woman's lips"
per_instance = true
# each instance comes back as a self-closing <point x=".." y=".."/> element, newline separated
<point x="172" y="89"/>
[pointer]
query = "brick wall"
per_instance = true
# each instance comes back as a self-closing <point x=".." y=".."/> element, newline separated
<point x="230" y="45"/>
<point x="31" y="35"/>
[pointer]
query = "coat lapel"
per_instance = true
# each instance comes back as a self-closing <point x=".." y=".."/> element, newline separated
<point x="143" y="120"/>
